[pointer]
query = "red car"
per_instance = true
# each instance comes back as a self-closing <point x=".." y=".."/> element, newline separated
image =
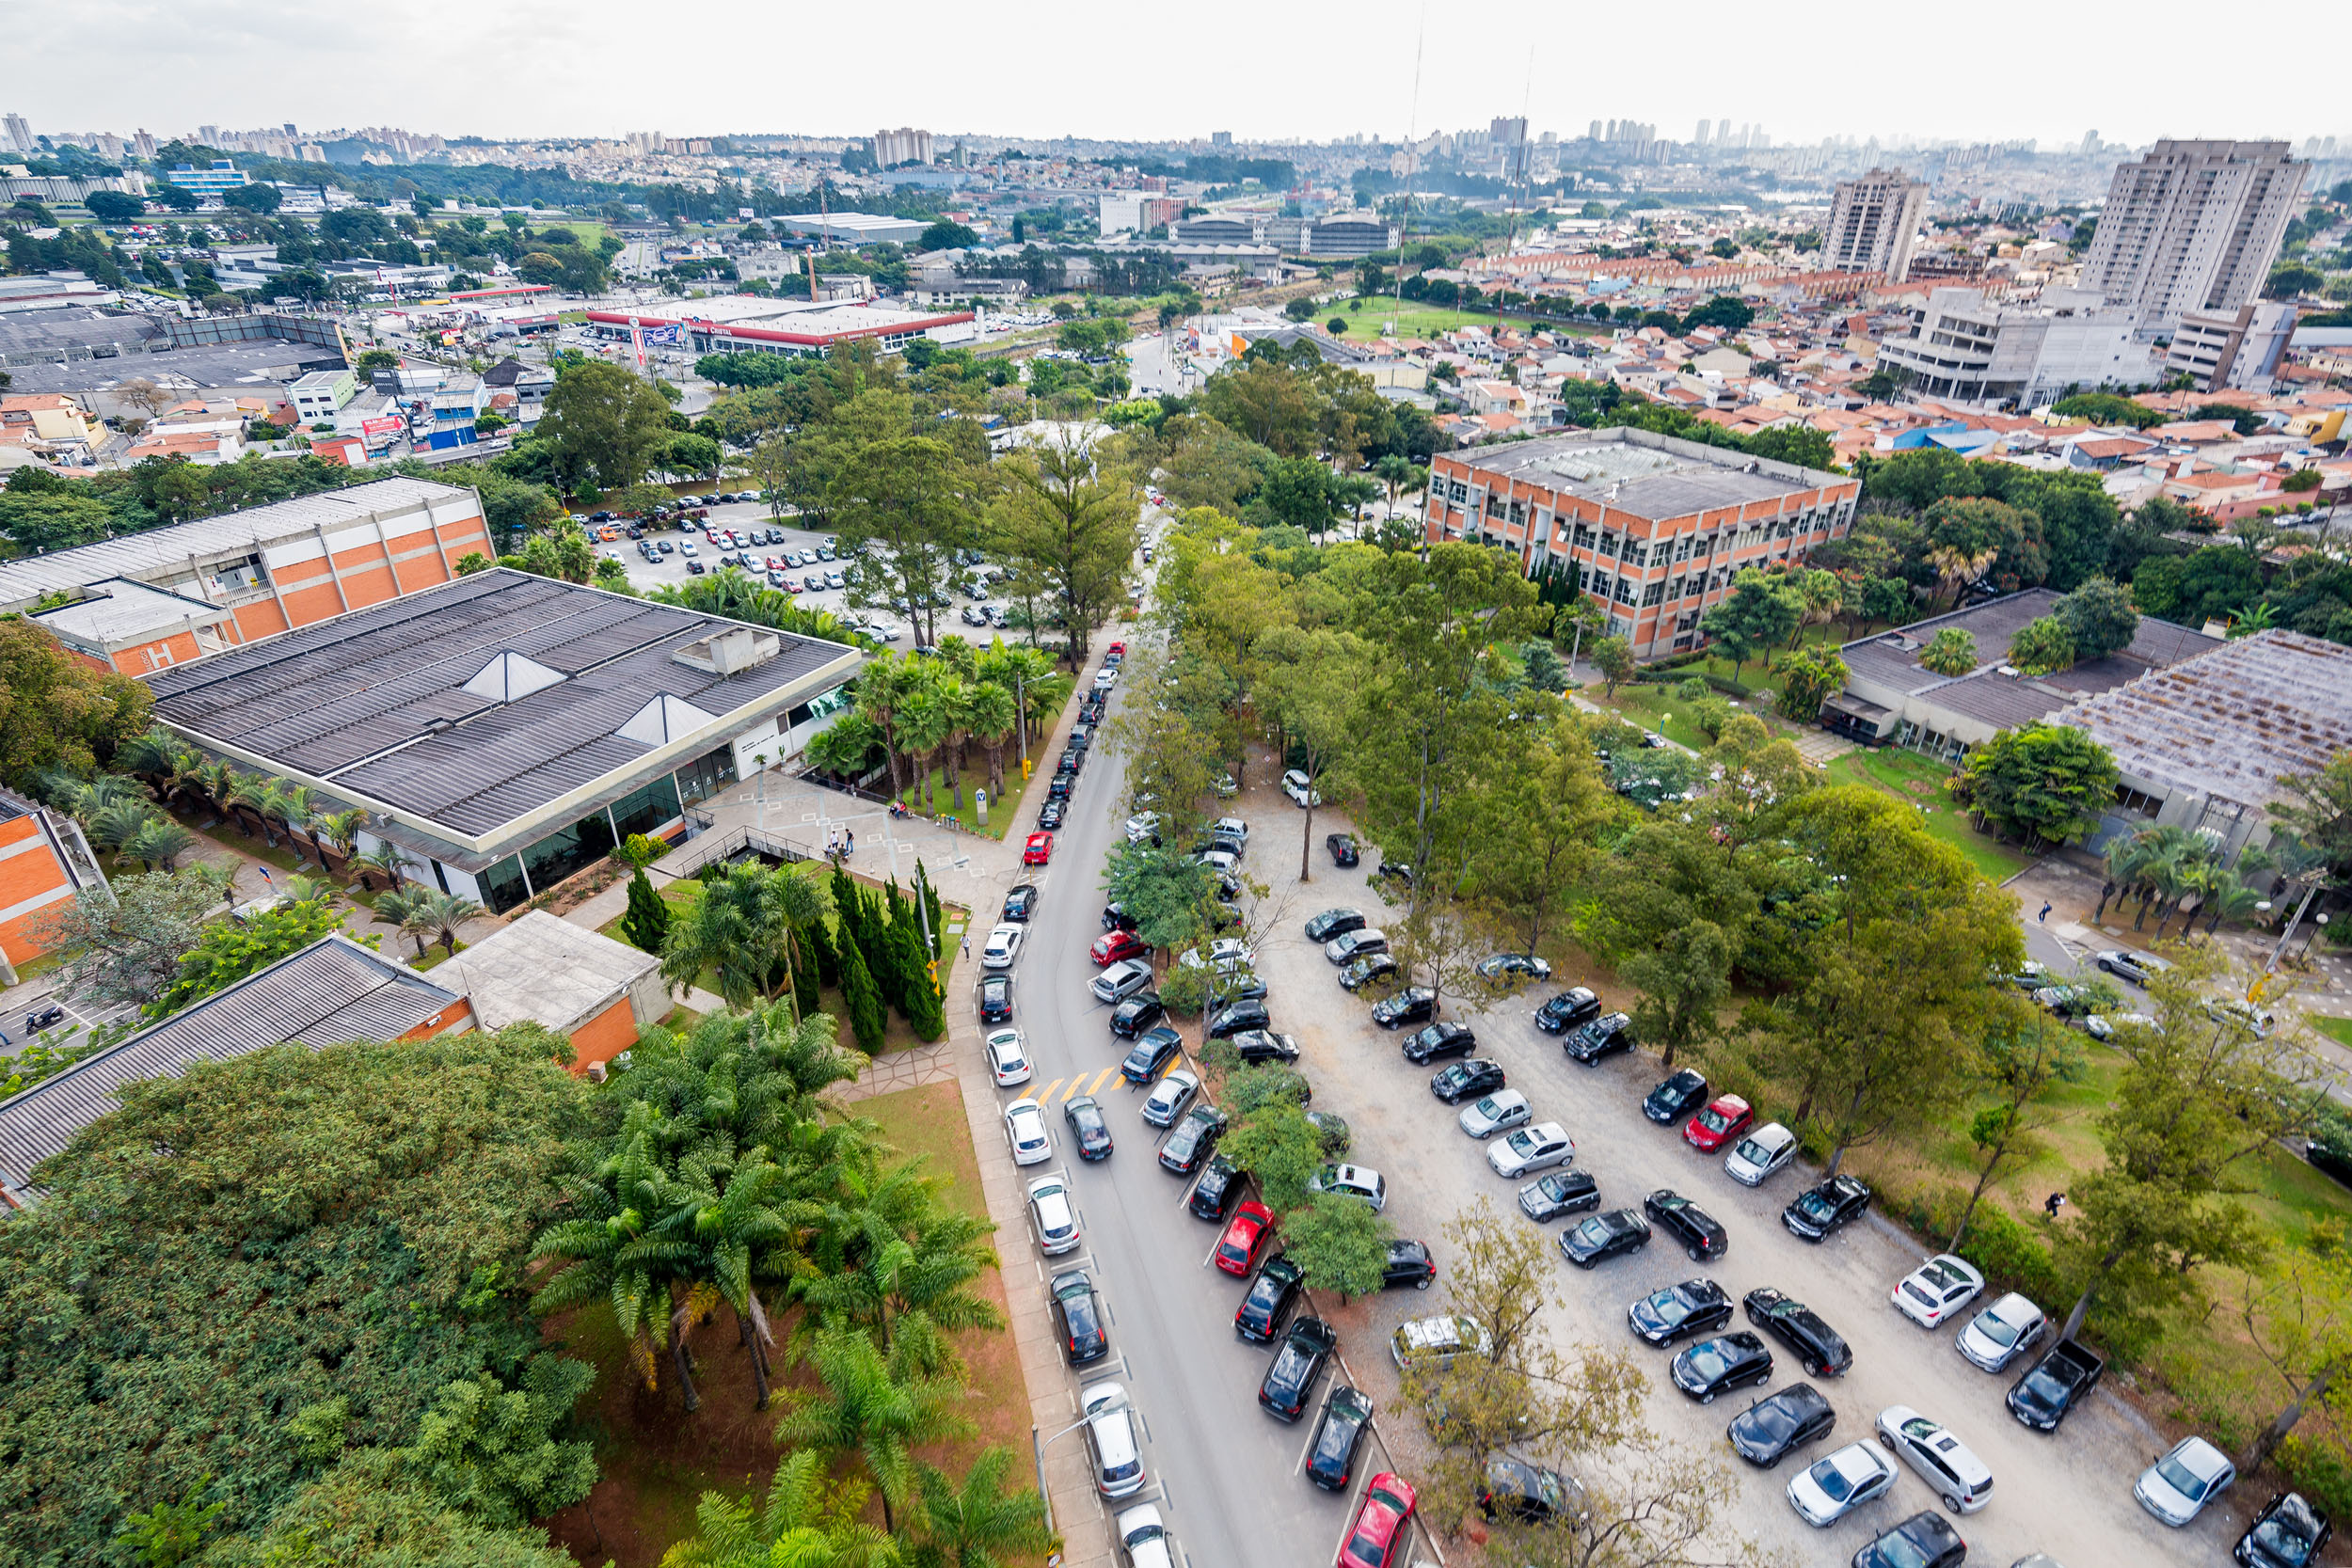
<point x="1120" y="648"/>
<point x="1038" y="849"/>
<point x="1111" y="946"/>
<point x="1722" y="1121"/>
<point x="1379" y="1528"/>
<point x="1253" y="1223"/>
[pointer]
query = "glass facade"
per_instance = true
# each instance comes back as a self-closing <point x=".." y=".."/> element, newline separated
<point x="646" y="808"/>
<point x="573" y="849"/>
<point x="503" y="884"/>
<point x="702" y="777"/>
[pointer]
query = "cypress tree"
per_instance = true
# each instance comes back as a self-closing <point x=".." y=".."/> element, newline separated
<point x="921" y="998"/>
<point x="648" y="921"/>
<point x="826" y="950"/>
<point x="929" y="896"/>
<point x="867" y="1021"/>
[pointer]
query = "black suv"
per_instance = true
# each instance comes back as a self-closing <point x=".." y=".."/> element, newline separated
<point x="1676" y="1097"/>
<point x="1818" y="1212"/>
<point x="1694" y="1306"/>
<point x="1236" y="1016"/>
<point x="996" y="998"/>
<point x="1413" y="1005"/>
<point x="1309" y="1343"/>
<point x="1603" y="1036"/>
<point x="1136" y="1014"/>
<point x="1214" y="1192"/>
<point x="1700" y="1232"/>
<point x="1438" y="1040"/>
<point x="1271" y="1296"/>
<point x="1187" y="1148"/>
<point x="1566" y="1010"/>
<point x="1458" y="1081"/>
<point x="1820" y="1348"/>
<point x="1021" y="902"/>
<point x="1260" y="1045"/>
<point x="1334" y="923"/>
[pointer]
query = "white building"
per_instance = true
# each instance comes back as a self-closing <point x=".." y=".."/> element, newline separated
<point x="1967" y="348"/>
<point x="905" y="144"/>
<point x="321" y="394"/>
<point x="1874" y="223"/>
<point x="853" y="228"/>
<point x="2231" y="348"/>
<point x="2193" y="226"/>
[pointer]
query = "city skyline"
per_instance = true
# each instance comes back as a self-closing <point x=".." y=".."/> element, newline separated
<point x="583" y="73"/>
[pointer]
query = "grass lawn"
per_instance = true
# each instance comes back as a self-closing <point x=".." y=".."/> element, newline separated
<point x="1654" y="707"/>
<point x="1426" y="321"/>
<point x="2336" y="1029"/>
<point x="1002" y="810"/>
<point x="1920" y="781"/>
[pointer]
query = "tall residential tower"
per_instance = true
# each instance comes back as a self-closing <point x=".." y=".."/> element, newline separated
<point x="1874" y="223"/>
<point x="2193" y="226"/>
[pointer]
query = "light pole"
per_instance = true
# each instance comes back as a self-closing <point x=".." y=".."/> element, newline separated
<point x="1116" y="1403"/>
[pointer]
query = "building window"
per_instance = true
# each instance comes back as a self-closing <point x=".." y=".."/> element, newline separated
<point x="647" y="807"/>
<point x="1585" y="537"/>
<point x="1518" y="512"/>
<point x="704" y="776"/>
<point x="1457" y="492"/>
<point x="1494" y="504"/>
<point x="574" y="849"/>
<point x="1629" y="592"/>
<point x="2138" y="802"/>
<point x="1653" y="592"/>
<point x="1636" y="553"/>
<point x="1609" y="545"/>
<point x="1682" y="548"/>
<point x="502" y="883"/>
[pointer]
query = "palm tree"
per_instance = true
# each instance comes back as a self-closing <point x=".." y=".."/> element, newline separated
<point x="806" y="1523"/>
<point x="2124" y="855"/>
<point x="955" y="699"/>
<point x="249" y="794"/>
<point x="2232" y="901"/>
<point x="116" y="822"/>
<point x="737" y="928"/>
<point x="1398" y="473"/>
<point x="310" y="890"/>
<point x="158" y="842"/>
<point x="906" y="1282"/>
<point x="369" y="864"/>
<point x="405" y="909"/>
<point x="988" y="715"/>
<point x="295" y="805"/>
<point x="882" y="687"/>
<point x="842" y="747"/>
<point x="872" y="1409"/>
<point x="607" y="1256"/>
<point x="218" y="782"/>
<point x="976" y="1524"/>
<point x="443" y="913"/>
<point x="727" y="1222"/>
<point x="924" y="725"/>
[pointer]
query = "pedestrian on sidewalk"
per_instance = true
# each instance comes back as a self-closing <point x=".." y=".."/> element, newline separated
<point x="2045" y="916"/>
<point x="852" y="849"/>
<point x="967" y="946"/>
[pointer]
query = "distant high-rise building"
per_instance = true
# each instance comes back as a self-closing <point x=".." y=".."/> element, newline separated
<point x="208" y="135"/>
<point x="20" y="133"/>
<point x="1701" y="137"/>
<point x="1594" y="134"/>
<point x="2090" y="145"/>
<point x="144" y="141"/>
<point x="1220" y="139"/>
<point x="290" y="132"/>
<point x="2192" y="225"/>
<point x="1723" y="130"/>
<point x="905" y="144"/>
<point x="1873" y="224"/>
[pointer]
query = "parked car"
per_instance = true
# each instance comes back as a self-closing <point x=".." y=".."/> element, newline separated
<point x="1820" y="1349"/>
<point x="1819" y="1212"/>
<point x="1272" y="1294"/>
<point x="1115" y="947"/>
<point x="1717" y="1365"/>
<point x="1496" y="1113"/>
<point x="1136" y="1014"/>
<point x="1771" y="1429"/>
<point x="1427" y="1045"/>
<point x="1457" y="1081"/>
<point x="1154" y="1051"/>
<point x="1932" y="1293"/>
<point x="2003" y="1332"/>
<point x="1003" y="943"/>
<point x="2288" y="1533"/>
<point x="1604" y="1236"/>
<point x="1378" y="1530"/>
<point x="1951" y="1471"/>
<point x="1530" y="1149"/>
<point x="1559" y="1191"/>
<point x="1300" y="788"/>
<point x="1088" y="1127"/>
<point x="2178" y="1485"/>
<point x="1413" y="1005"/>
<point x="1755" y="1159"/>
<point x="1698" y="1232"/>
<point x="1038" y="849"/>
<point x="1370" y="970"/>
<point x="1236" y="1016"/>
<point x="1922" y="1541"/>
<point x="1437" y="1342"/>
<point x="1122" y="979"/>
<point x="2058" y="1384"/>
<point x="1186" y="1147"/>
<point x="1051" y="1217"/>
<point x="1350" y="946"/>
<point x="1723" y="1119"/>
<point x="1025" y="1132"/>
<point x="1021" y="902"/>
<point x="1606" y="1036"/>
<point x="1334" y="923"/>
<point x="1408" y="1263"/>
<point x="1330" y="1131"/>
<point x="1531" y="1495"/>
<point x="2126" y="964"/>
<point x="1008" y="1058"/>
<point x="1078" y="1314"/>
<point x="1835" y="1485"/>
<point x="1169" y="1096"/>
<point x="1237" y="1249"/>
<point x="1254" y="1046"/>
<point x="1111" y="1440"/>
<point x="1291" y="1377"/>
<point x="1568" y="1010"/>
<point x="1677" y="1311"/>
<point x="1506" y="968"/>
<point x="1219" y="1185"/>
<point x="1675" y="1097"/>
<point x="1342" y="848"/>
<point x="1338" y="1432"/>
<point x="1359" y="1181"/>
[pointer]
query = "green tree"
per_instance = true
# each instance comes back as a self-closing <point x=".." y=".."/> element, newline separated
<point x="2100" y="616"/>
<point x="42" y="520"/>
<point x="976" y="1524"/>
<point x="647" y="923"/>
<point x="1951" y="651"/>
<point x="229" y="950"/>
<point x="2297" y="1312"/>
<point x="1548" y="806"/>
<point x="124" y="945"/>
<point x="1546" y="670"/>
<point x="2318" y="807"/>
<point x="804" y="1522"/>
<point x="1308" y="681"/>
<point x="1277" y="1145"/>
<point x="1339" y="1244"/>
<point x="55" y="711"/>
<point x="1683" y="980"/>
<point x="866" y="1409"/>
<point x="1809" y="677"/>
<point x="2025" y="1051"/>
<point x="1070" y="521"/>
<point x="603" y="425"/>
<point x="113" y="206"/>
<point x="2106" y="408"/>
<point x="2042" y="646"/>
<point x="1612" y="655"/>
<point x="2047" y="783"/>
<point x="492" y="1451"/>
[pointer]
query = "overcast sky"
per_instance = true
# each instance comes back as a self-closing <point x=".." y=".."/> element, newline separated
<point x="520" y="67"/>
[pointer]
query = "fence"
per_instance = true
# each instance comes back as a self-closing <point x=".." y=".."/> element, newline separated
<point x="709" y="849"/>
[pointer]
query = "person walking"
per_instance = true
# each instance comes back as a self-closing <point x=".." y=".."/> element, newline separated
<point x="2045" y="916"/>
<point x="2052" y="1204"/>
<point x="851" y="847"/>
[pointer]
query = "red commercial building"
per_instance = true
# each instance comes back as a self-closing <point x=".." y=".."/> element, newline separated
<point x="1653" y="526"/>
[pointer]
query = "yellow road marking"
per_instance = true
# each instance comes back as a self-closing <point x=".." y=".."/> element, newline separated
<point x="1101" y="1079"/>
<point x="1049" y="1090"/>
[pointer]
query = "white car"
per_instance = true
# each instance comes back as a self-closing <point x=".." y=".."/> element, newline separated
<point x="1142" y="826"/>
<point x="1352" y="1181"/>
<point x="1530" y="1149"/>
<point x="1105" y="680"/>
<point x="1498" y="1112"/>
<point x="1951" y="1471"/>
<point x="1220" y="861"/>
<point x="2003" y="1332"/>
<point x="1226" y="954"/>
<point x="1025" y="1129"/>
<point x="1300" y="788"/>
<point x="1835" y="1486"/>
<point x="2179" y="1484"/>
<point x="1112" y="1439"/>
<point x="1003" y="943"/>
<point x="1143" y="1540"/>
<point x="1169" y="1096"/>
<point x="1759" y="1155"/>
<point x="1232" y="827"/>
<point x="1008" y="1058"/>
<point x="1052" y="1217"/>
<point x="1932" y="1293"/>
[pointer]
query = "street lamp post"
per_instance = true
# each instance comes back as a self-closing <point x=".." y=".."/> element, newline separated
<point x="1109" y="1407"/>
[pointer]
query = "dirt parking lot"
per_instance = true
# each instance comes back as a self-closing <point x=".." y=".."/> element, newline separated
<point x="2068" y="1494"/>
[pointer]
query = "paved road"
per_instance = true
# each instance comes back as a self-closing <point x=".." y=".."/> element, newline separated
<point x="1222" y="1470"/>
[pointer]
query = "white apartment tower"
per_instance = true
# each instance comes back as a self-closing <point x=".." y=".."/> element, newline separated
<point x="905" y="144"/>
<point x="2193" y="226"/>
<point x="1874" y="223"/>
<point x="20" y="133"/>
